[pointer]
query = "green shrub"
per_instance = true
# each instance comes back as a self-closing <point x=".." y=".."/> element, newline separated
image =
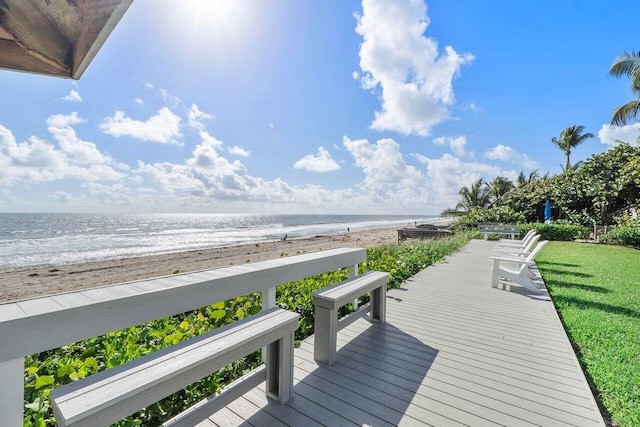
<point x="496" y="214"/>
<point x="627" y="235"/>
<point x="563" y="232"/>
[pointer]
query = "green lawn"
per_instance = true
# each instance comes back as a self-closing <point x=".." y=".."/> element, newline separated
<point x="596" y="289"/>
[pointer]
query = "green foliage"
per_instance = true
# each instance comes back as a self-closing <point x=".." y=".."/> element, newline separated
<point x="48" y="370"/>
<point x="596" y="289"/>
<point x="497" y="214"/>
<point x="606" y="185"/>
<point x="562" y="232"/>
<point x="625" y="234"/>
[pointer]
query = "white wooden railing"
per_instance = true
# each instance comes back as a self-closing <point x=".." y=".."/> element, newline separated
<point x="40" y="324"/>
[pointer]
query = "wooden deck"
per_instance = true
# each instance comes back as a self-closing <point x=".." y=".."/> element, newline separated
<point x="454" y="351"/>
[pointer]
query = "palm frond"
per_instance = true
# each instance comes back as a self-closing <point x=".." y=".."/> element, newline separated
<point x="628" y="65"/>
<point x="625" y="113"/>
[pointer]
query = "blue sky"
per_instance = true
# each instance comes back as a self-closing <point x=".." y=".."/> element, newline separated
<point x="342" y="106"/>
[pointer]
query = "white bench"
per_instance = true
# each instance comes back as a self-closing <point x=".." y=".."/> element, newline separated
<point x="114" y="394"/>
<point x="331" y="298"/>
<point x="511" y="230"/>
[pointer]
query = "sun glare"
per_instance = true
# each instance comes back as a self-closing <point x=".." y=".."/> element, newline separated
<point x="224" y="22"/>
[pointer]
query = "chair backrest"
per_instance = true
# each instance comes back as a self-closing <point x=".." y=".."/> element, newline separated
<point x="527" y="238"/>
<point x="528" y="235"/>
<point x="536" y="250"/>
<point x="532" y="242"/>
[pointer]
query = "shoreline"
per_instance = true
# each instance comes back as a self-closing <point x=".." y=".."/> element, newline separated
<point x="36" y="282"/>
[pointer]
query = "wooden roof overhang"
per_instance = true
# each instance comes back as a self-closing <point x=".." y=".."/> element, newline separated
<point x="55" y="37"/>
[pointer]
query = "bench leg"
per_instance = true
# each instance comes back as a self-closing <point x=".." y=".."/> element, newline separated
<point x="379" y="304"/>
<point x="279" y="384"/>
<point x="326" y="331"/>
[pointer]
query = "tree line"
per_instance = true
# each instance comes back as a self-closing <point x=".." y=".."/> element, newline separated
<point x="598" y="190"/>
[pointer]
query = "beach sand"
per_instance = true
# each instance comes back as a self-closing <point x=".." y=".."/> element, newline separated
<point x="37" y="282"/>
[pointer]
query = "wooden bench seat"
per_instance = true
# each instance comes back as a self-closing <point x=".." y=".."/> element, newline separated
<point x="114" y="394"/>
<point x="330" y="299"/>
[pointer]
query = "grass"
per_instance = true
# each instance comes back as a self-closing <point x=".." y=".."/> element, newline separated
<point x="596" y="289"/>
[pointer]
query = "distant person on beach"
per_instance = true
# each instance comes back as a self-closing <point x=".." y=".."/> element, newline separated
<point x="284" y="238"/>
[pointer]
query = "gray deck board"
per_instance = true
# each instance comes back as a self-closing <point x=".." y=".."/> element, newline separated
<point x="454" y="351"/>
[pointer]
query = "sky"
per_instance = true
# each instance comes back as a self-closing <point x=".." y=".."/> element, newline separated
<point x="316" y="106"/>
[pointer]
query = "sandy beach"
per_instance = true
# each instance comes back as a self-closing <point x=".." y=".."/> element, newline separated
<point x="36" y="282"/>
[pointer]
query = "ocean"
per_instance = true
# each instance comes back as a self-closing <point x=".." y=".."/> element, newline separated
<point x="37" y="239"/>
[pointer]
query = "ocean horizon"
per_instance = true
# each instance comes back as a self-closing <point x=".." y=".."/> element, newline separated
<point x="46" y="239"/>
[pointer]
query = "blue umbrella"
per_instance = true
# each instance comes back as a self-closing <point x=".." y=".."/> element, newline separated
<point x="547" y="211"/>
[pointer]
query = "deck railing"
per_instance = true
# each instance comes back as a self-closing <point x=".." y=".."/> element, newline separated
<point x="40" y="324"/>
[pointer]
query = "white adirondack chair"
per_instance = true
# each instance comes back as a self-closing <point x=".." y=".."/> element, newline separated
<point x="511" y="241"/>
<point x="516" y="269"/>
<point x="517" y="251"/>
<point x="517" y="243"/>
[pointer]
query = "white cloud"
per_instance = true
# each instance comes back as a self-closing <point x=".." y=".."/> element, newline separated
<point x="271" y="125"/>
<point x="238" y="151"/>
<point x="32" y="162"/>
<point x="317" y="163"/>
<point x="472" y="106"/>
<point x="197" y="117"/>
<point x="172" y="100"/>
<point x="60" y="126"/>
<point x="138" y="101"/>
<point x="509" y="154"/>
<point x="455" y="143"/>
<point x="610" y="134"/>
<point x="73" y="96"/>
<point x="414" y="78"/>
<point x="62" y="197"/>
<point x="163" y="128"/>
<point x="208" y="176"/>
<point x="38" y="161"/>
<point x="389" y="181"/>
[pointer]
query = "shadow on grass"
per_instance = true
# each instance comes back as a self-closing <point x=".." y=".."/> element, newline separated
<point x="562" y="264"/>
<point x="565" y="272"/>
<point x="577" y="302"/>
<point x="572" y="285"/>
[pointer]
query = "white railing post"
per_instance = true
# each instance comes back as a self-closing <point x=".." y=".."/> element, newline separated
<point x="268" y="301"/>
<point x="353" y="272"/>
<point x="12" y="392"/>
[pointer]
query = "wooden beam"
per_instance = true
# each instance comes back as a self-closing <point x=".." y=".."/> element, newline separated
<point x="35" y="33"/>
<point x="98" y="23"/>
<point x="13" y="57"/>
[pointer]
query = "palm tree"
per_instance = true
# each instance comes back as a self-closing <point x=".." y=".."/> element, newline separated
<point x="569" y="138"/>
<point x="629" y="65"/>
<point x="573" y="167"/>
<point x="474" y="196"/>
<point x="522" y="179"/>
<point x="499" y="187"/>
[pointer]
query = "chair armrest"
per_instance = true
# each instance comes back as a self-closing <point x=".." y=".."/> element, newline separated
<point x="500" y="252"/>
<point x="508" y="259"/>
